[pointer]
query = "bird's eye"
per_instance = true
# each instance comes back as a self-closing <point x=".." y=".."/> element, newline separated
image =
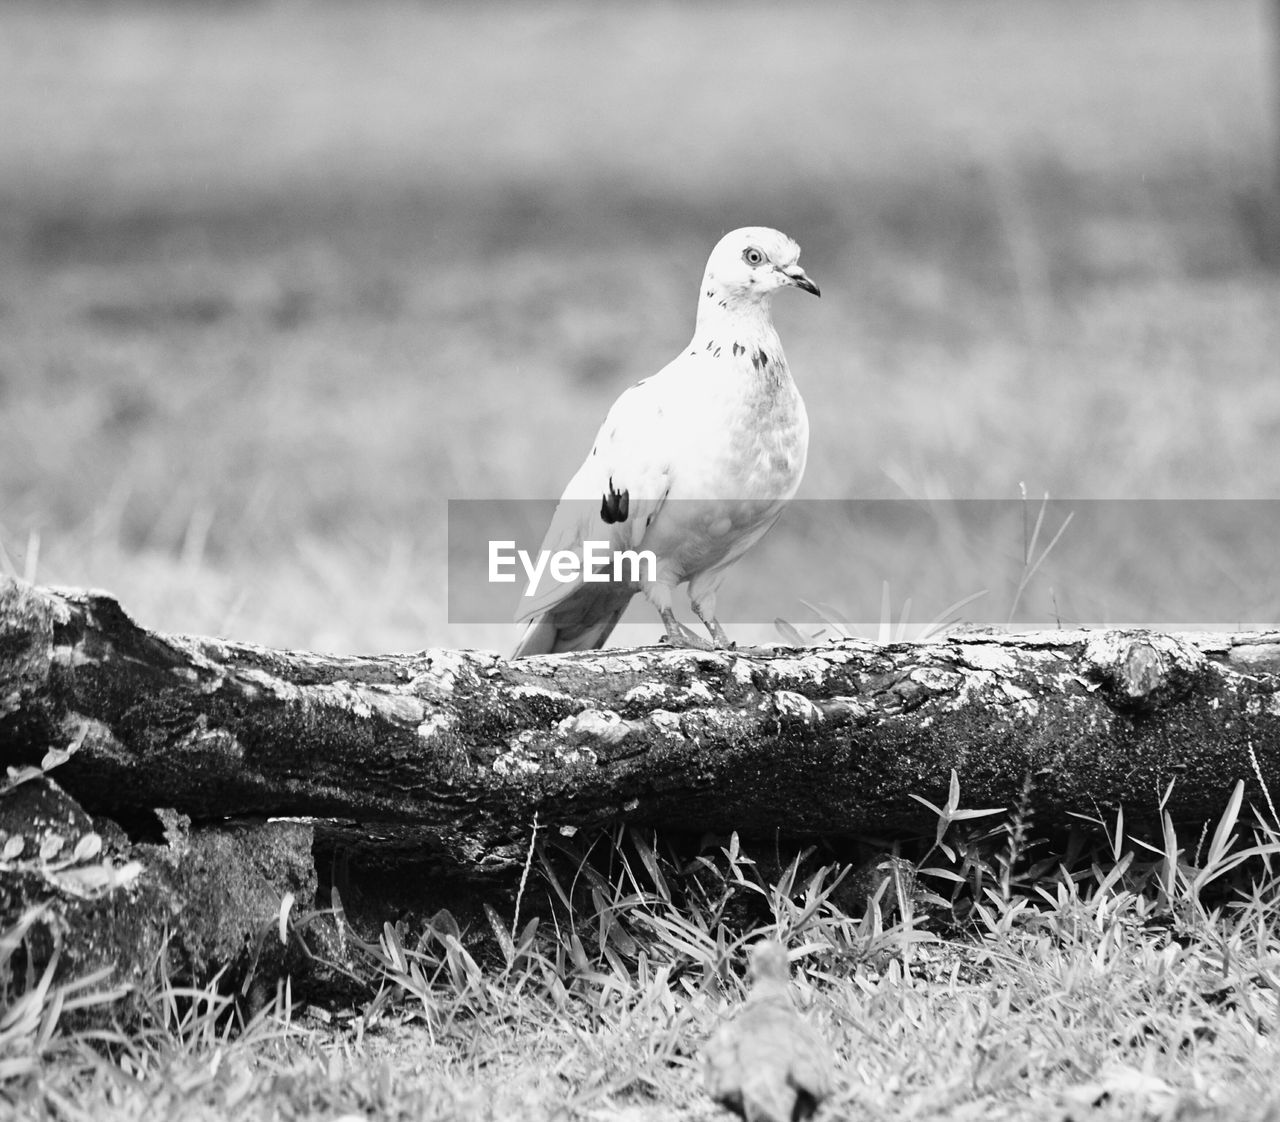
<point x="752" y="256"/>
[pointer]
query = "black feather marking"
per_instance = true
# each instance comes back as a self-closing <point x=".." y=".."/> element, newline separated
<point x="711" y="292"/>
<point x="716" y="353"/>
<point x="710" y="343"/>
<point x="614" y="504"/>
<point x="760" y="360"/>
<point x="738" y="349"/>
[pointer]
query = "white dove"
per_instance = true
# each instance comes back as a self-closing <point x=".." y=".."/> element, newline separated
<point x="693" y="464"/>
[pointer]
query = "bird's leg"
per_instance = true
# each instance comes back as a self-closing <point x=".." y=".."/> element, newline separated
<point x="705" y="609"/>
<point x="680" y="636"/>
<point x="720" y="640"/>
<point x="718" y="634"/>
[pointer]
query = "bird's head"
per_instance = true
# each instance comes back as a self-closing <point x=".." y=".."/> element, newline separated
<point x="768" y="962"/>
<point x="748" y="265"/>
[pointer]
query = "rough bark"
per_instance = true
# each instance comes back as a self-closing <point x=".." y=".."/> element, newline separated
<point x="455" y="753"/>
<point x="204" y="901"/>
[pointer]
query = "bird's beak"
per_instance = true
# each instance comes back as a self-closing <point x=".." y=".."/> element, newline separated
<point x="797" y="276"/>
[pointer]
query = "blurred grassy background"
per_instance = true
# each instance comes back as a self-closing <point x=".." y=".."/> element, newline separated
<point x="277" y="280"/>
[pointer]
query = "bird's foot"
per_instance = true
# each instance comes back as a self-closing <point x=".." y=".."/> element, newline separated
<point x="718" y="635"/>
<point x="680" y="636"/>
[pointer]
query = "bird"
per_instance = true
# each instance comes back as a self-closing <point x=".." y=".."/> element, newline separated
<point x="768" y="1064"/>
<point x="692" y="465"/>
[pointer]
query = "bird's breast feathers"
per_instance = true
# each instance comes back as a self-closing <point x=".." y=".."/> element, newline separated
<point x="716" y="429"/>
<point x="693" y="463"/>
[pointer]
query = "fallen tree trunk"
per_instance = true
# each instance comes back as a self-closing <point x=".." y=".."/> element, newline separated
<point x="457" y="753"/>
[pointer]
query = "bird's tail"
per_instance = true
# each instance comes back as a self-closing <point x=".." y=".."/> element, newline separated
<point x="545" y="636"/>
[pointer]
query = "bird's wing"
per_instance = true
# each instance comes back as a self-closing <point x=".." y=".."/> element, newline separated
<point x="722" y="1067"/>
<point x="614" y="495"/>
<point x="812" y="1065"/>
<point x="780" y="1055"/>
